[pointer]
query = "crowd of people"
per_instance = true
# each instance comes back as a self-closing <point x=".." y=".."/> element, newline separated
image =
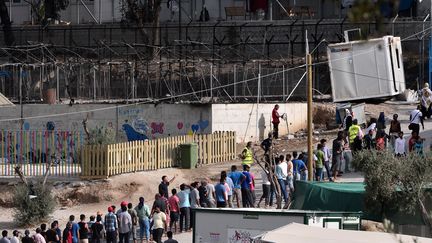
<point x="377" y="138"/>
<point x="124" y="225"/>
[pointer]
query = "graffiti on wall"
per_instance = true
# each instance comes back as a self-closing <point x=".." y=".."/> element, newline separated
<point x="137" y="125"/>
<point x="157" y="127"/>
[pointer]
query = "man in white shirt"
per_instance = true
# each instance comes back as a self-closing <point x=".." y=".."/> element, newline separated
<point x="400" y="145"/>
<point x="416" y="118"/>
<point x="14" y="238"/>
<point x="281" y="173"/>
<point x="125" y="223"/>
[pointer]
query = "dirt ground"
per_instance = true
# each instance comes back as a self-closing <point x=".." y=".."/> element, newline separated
<point x="77" y="197"/>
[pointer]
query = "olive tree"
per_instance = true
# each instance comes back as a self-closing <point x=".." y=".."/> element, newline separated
<point x="396" y="183"/>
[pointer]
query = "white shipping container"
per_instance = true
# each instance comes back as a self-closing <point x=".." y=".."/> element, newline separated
<point x="361" y="70"/>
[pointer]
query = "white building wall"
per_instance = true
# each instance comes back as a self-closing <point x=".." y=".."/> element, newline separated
<point x="242" y="118"/>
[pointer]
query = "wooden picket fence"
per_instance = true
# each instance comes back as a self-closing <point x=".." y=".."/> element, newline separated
<point x="102" y="161"/>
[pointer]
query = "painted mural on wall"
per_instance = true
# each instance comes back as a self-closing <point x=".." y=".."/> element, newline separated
<point x="136" y="125"/>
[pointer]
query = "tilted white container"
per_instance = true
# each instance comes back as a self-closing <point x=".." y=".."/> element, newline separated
<point x="361" y="70"/>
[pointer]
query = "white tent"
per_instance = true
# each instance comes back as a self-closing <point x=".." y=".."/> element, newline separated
<point x="301" y="233"/>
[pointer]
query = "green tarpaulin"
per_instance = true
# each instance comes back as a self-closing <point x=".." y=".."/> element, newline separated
<point x="348" y="197"/>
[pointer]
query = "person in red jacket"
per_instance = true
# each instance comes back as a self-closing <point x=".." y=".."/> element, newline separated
<point x="275" y="121"/>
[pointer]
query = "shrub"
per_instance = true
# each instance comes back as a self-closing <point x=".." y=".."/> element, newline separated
<point x="32" y="210"/>
<point x="102" y="135"/>
<point x="396" y="183"/>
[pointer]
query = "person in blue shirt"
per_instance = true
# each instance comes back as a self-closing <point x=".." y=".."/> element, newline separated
<point x="75" y="229"/>
<point x="221" y="194"/>
<point x="246" y="189"/>
<point x="230" y="186"/>
<point x="184" y="204"/>
<point x="299" y="167"/>
<point x="237" y="178"/>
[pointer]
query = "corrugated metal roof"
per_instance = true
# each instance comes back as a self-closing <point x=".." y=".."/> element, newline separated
<point x="5" y="101"/>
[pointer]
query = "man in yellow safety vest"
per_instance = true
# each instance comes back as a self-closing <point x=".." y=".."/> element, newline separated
<point x="355" y="135"/>
<point x="247" y="155"/>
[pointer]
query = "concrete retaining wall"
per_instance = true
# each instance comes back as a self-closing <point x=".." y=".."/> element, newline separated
<point x="135" y="122"/>
<point x="242" y="118"/>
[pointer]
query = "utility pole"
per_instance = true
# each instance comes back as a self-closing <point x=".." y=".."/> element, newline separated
<point x="430" y="48"/>
<point x="309" y="111"/>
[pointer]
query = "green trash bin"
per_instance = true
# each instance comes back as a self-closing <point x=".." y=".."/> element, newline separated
<point x="189" y="155"/>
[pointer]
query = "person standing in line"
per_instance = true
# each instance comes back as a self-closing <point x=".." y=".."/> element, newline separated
<point x="267" y="143"/>
<point x="229" y="186"/>
<point x="369" y="140"/>
<point x="51" y="234"/>
<point x="163" y="186"/>
<point x="245" y="189"/>
<point x="380" y="141"/>
<point x="83" y="229"/>
<point x="170" y="238"/>
<point x="89" y="225"/>
<point x="96" y="230"/>
<point x="327" y="158"/>
<point x="194" y="195"/>
<point x="43" y="227"/>
<point x="221" y="194"/>
<point x="159" y="224"/>
<point x="134" y="218"/>
<point x="125" y="223"/>
<point x="27" y="238"/>
<point x="252" y="187"/>
<point x="290" y="177"/>
<point x="175" y="210"/>
<point x="266" y="185"/>
<point x="247" y="155"/>
<point x="195" y="201"/>
<point x="276" y="121"/>
<point x="281" y="174"/>
<point x="143" y="213"/>
<point x="347" y="121"/>
<point x="416" y="118"/>
<point x="184" y="203"/>
<point x="14" y="238"/>
<point x="426" y="100"/>
<point x="4" y="238"/>
<point x="111" y="226"/>
<point x="58" y="231"/>
<point x="298" y="167"/>
<point x="158" y="202"/>
<point x="67" y="233"/>
<point x="202" y="189"/>
<point x="75" y="229"/>
<point x="399" y="147"/>
<point x="319" y="163"/>
<point x="38" y="238"/>
<point x="395" y="129"/>
<point x="237" y="177"/>
<point x="210" y="194"/>
<point x="337" y="150"/>
<point x="355" y="136"/>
